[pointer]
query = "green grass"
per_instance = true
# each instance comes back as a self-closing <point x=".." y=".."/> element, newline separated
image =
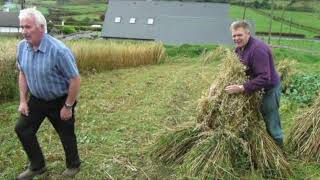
<point x="44" y="10"/>
<point x="94" y="9"/>
<point x="91" y="17"/>
<point x="46" y="3"/>
<point x="187" y="50"/>
<point x="307" y="63"/>
<point x="303" y="44"/>
<point x="86" y="8"/>
<point x="262" y="22"/>
<point x="310" y="4"/>
<point x="122" y="112"/>
<point x="305" y="18"/>
<point x="83" y="10"/>
<point x="116" y="126"/>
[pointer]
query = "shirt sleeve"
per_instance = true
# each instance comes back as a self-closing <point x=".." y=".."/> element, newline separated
<point x="67" y="64"/>
<point x="260" y="64"/>
<point x="18" y="51"/>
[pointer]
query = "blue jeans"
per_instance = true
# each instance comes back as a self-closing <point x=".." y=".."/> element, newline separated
<point x="270" y="113"/>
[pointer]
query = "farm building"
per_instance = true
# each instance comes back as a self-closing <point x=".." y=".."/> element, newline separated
<point x="9" y="22"/>
<point x="171" y="22"/>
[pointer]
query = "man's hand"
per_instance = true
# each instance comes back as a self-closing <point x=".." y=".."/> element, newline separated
<point x="24" y="108"/>
<point x="65" y="113"/>
<point x="233" y="89"/>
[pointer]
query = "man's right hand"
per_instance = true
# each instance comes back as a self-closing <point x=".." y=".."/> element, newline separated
<point x="24" y="109"/>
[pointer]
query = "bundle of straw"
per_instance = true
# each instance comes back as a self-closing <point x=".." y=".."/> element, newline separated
<point x="286" y="70"/>
<point x="229" y="138"/>
<point x="303" y="139"/>
<point x="214" y="55"/>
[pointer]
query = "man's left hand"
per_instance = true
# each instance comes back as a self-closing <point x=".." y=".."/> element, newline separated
<point x="233" y="89"/>
<point x="65" y="113"/>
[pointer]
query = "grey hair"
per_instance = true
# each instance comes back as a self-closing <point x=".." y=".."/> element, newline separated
<point x="33" y="12"/>
<point x="240" y="24"/>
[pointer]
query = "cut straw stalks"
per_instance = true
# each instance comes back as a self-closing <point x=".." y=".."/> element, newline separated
<point x="106" y="55"/>
<point x="214" y="55"/>
<point x="303" y="139"/>
<point x="229" y="139"/>
<point x="8" y="69"/>
<point x="285" y="68"/>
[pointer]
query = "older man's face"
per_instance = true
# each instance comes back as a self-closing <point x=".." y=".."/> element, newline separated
<point x="240" y="37"/>
<point x="30" y="31"/>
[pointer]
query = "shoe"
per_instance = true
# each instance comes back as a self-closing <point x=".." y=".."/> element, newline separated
<point x="29" y="174"/>
<point x="70" y="172"/>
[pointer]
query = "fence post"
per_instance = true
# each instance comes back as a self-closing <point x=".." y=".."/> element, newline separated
<point x="271" y="18"/>
<point x="290" y="25"/>
<point x="244" y="11"/>
<point x="282" y="18"/>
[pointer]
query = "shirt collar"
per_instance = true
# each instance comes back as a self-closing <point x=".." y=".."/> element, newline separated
<point x="43" y="44"/>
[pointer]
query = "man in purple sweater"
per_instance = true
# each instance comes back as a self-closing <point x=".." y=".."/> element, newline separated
<point x="258" y="59"/>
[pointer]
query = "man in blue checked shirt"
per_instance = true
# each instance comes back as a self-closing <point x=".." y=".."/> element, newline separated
<point x="49" y="75"/>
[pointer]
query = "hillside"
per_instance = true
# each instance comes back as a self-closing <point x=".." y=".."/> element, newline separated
<point x="86" y="13"/>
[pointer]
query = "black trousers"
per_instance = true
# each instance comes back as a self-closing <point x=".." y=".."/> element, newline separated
<point x="27" y="127"/>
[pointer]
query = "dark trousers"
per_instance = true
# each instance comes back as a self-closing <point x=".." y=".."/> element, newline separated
<point x="270" y="112"/>
<point x="27" y="127"/>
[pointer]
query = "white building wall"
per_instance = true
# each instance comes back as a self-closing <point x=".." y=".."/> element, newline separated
<point x="9" y="30"/>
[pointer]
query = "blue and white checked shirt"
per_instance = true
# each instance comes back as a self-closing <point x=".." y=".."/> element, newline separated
<point x="47" y="70"/>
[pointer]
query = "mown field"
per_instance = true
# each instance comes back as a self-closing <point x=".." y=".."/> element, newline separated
<point x="122" y="112"/>
<point x="262" y="22"/>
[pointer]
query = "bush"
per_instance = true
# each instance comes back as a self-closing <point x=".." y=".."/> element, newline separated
<point x="88" y="28"/>
<point x="101" y="17"/>
<point x="303" y="89"/>
<point x="68" y="29"/>
<point x="70" y="19"/>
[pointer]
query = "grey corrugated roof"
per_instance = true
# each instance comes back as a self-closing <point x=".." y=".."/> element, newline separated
<point x="9" y="19"/>
<point x="199" y="31"/>
<point x="174" y="22"/>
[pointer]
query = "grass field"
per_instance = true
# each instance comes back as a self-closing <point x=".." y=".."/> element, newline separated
<point x="262" y="22"/>
<point x="117" y="125"/>
<point x="91" y="12"/>
<point x="305" y="18"/>
<point x="298" y="43"/>
<point x="122" y="112"/>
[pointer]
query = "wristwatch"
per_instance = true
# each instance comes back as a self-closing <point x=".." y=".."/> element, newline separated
<point x="68" y="106"/>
